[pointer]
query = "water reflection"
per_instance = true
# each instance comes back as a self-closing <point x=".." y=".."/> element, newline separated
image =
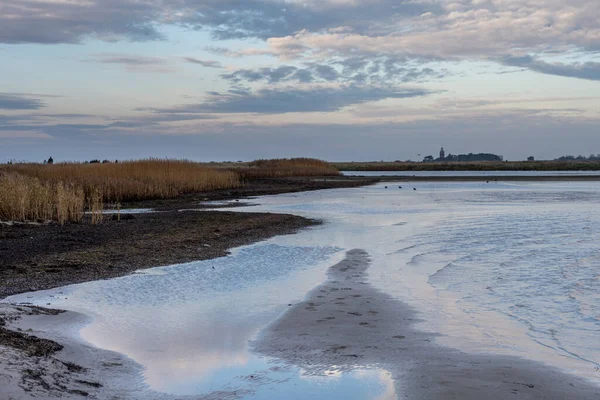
<point x="439" y="248"/>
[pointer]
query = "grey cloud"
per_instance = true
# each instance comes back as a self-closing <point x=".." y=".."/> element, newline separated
<point x="326" y="72"/>
<point x="133" y="62"/>
<point x="303" y="76"/>
<point x="588" y="70"/>
<point x="374" y="70"/>
<point x="45" y="123"/>
<point x="288" y="100"/>
<point x="32" y="21"/>
<point x="283" y="73"/>
<point x="204" y="63"/>
<point x="15" y="101"/>
<point x="232" y="19"/>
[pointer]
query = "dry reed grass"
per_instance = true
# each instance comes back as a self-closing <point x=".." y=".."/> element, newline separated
<point x="134" y="180"/>
<point x="25" y="198"/>
<point x="35" y="191"/>
<point x="285" y="167"/>
<point x="61" y="192"/>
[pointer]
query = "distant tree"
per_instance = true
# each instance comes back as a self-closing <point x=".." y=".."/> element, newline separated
<point x="105" y="162"/>
<point x="428" y="159"/>
<point x="94" y="161"/>
<point x="531" y="158"/>
<point x="50" y="161"/>
<point x="472" y="157"/>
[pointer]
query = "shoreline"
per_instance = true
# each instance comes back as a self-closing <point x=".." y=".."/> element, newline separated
<point x="432" y="371"/>
<point x="43" y="256"/>
<point x="345" y="324"/>
<point x="482" y="178"/>
<point x="37" y="257"/>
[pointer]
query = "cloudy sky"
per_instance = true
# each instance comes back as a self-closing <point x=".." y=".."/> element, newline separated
<point x="335" y="79"/>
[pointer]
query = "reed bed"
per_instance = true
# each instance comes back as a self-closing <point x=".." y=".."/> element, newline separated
<point x="63" y="192"/>
<point x="134" y="180"/>
<point x="90" y="186"/>
<point x="24" y="198"/>
<point x="285" y="168"/>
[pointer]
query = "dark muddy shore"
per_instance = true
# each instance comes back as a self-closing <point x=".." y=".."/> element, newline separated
<point x="43" y="256"/>
<point x="37" y="257"/>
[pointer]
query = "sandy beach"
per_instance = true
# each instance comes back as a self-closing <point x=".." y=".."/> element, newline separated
<point x="344" y="323"/>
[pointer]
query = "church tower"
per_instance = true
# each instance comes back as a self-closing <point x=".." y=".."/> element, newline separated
<point x="442" y="154"/>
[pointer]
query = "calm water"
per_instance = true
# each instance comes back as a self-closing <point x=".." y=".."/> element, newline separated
<point x="469" y="173"/>
<point x="502" y="267"/>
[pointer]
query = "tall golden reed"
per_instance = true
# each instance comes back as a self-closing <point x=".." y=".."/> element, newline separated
<point x="61" y="192"/>
<point x="25" y="198"/>
<point x="134" y="180"/>
<point x="286" y="167"/>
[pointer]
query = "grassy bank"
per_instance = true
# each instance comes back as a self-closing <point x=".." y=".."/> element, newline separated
<point x="284" y="168"/>
<point x="470" y="166"/>
<point x="62" y="192"/>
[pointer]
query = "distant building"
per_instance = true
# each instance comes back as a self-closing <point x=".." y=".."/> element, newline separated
<point x="531" y="158"/>
<point x="442" y="154"/>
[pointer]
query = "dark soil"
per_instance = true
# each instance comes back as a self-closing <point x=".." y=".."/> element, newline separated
<point x="31" y="345"/>
<point x="37" y="257"/>
<point x="42" y="257"/>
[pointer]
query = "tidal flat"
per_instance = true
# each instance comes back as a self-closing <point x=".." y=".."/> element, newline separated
<point x="452" y="290"/>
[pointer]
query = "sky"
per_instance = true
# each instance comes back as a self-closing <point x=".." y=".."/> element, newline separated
<point x="341" y="80"/>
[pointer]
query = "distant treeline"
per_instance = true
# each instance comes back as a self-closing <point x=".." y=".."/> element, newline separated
<point x="472" y="157"/>
<point x="592" y="157"/>
<point x="570" y="165"/>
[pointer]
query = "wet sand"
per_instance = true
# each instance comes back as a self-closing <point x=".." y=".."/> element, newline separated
<point x="343" y="323"/>
<point x="346" y="324"/>
<point x="43" y="368"/>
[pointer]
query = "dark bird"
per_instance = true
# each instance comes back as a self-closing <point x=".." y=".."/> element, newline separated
<point x="386" y="187"/>
<point x="399" y="187"/>
<point x="414" y="188"/>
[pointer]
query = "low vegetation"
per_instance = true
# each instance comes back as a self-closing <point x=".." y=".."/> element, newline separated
<point x="24" y="198"/>
<point x="62" y="192"/>
<point x="284" y="168"/>
<point x="471" y="166"/>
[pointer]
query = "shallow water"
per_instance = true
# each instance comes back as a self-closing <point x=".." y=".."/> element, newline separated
<point x="509" y="268"/>
<point x="469" y="173"/>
